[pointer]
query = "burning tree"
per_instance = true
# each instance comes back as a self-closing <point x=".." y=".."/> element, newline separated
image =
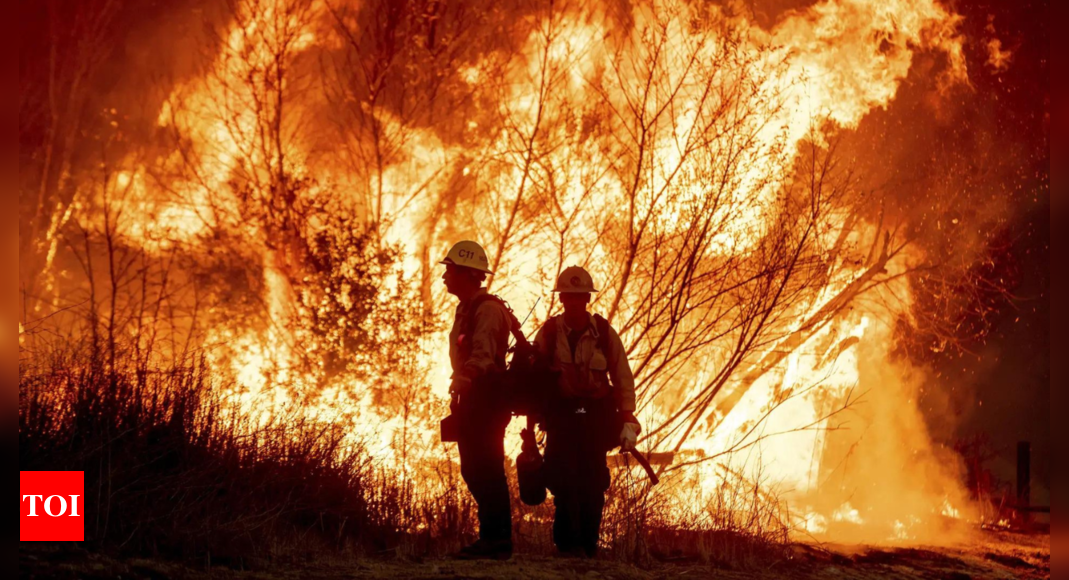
<point x="282" y="214"/>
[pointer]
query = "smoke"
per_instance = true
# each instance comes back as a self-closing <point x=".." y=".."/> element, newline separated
<point x="886" y="462"/>
<point x="971" y="183"/>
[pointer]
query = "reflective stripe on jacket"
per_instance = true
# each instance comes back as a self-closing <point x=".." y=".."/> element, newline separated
<point x="585" y="375"/>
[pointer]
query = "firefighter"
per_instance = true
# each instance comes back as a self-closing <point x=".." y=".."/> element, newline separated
<point x="591" y="413"/>
<point x="478" y="343"/>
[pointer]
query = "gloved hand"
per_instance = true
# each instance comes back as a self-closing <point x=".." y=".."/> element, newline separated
<point x="629" y="434"/>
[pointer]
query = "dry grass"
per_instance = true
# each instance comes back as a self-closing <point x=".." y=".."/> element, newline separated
<point x="173" y="470"/>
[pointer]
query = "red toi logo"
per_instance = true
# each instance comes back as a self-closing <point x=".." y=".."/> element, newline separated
<point x="52" y="504"/>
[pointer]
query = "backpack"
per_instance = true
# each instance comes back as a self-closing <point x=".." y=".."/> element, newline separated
<point x="521" y="388"/>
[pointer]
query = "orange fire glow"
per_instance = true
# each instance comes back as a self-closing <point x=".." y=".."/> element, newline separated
<point x="628" y="143"/>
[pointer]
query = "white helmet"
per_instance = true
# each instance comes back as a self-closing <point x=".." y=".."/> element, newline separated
<point x="469" y="255"/>
<point x="575" y="280"/>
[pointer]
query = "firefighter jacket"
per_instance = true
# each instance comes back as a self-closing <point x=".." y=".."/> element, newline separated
<point x="588" y="372"/>
<point x="481" y="349"/>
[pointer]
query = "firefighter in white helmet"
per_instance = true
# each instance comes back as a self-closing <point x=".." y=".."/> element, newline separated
<point x="478" y="343"/>
<point x="593" y="412"/>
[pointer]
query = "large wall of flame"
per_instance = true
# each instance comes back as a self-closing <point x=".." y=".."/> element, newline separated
<point x="872" y="67"/>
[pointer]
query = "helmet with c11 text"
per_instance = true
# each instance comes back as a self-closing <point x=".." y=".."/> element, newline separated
<point x="468" y="254"/>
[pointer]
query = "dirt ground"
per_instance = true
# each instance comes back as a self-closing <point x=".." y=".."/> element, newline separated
<point x="988" y="555"/>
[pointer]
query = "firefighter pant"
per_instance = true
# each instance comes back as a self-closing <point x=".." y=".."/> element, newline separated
<point x="482" y="464"/>
<point x="577" y="474"/>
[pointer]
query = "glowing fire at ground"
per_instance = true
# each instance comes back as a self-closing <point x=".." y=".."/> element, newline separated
<point x="668" y="149"/>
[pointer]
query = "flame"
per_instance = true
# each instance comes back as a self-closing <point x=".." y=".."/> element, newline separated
<point x="835" y="61"/>
<point x="847" y="514"/>
<point x="949" y="510"/>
